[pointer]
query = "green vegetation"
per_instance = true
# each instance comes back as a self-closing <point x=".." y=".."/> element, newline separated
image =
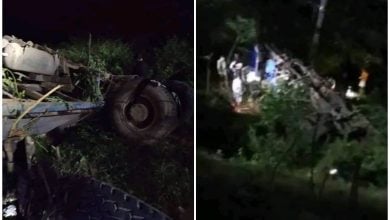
<point x="103" y="55"/>
<point x="244" y="31"/>
<point x="10" y="84"/>
<point x="276" y="154"/>
<point x="279" y="139"/>
<point x="273" y="165"/>
<point x="175" y="57"/>
<point x="235" y="189"/>
<point x="162" y="174"/>
<point x="99" y="57"/>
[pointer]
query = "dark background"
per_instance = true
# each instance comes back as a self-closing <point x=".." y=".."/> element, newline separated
<point x="144" y="23"/>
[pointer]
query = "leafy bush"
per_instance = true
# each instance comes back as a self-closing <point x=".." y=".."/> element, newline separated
<point x="282" y="136"/>
<point x="284" y="139"/>
<point x="344" y="154"/>
<point x="175" y="57"/>
<point x="374" y="165"/>
<point x="112" y="56"/>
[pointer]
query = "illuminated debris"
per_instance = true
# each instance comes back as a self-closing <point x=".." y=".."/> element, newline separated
<point x="10" y="211"/>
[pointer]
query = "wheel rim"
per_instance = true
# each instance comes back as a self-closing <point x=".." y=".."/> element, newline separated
<point x="140" y="114"/>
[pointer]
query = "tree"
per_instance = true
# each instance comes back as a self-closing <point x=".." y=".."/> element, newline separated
<point x="244" y="30"/>
<point x="320" y="19"/>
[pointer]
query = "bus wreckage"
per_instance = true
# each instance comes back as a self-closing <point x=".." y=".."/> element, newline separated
<point x="43" y="92"/>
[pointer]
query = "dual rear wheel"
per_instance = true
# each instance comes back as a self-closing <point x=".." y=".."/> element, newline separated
<point x="146" y="112"/>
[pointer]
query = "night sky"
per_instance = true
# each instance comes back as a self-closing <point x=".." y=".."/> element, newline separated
<point x="143" y="22"/>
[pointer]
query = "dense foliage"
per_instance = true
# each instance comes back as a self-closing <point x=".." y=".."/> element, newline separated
<point x="274" y="159"/>
<point x="103" y="55"/>
<point x="99" y="57"/>
<point x="283" y="137"/>
<point x="175" y="57"/>
<point x="279" y="138"/>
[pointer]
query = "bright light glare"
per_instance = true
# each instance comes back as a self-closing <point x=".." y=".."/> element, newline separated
<point x="333" y="171"/>
<point x="10" y="211"/>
